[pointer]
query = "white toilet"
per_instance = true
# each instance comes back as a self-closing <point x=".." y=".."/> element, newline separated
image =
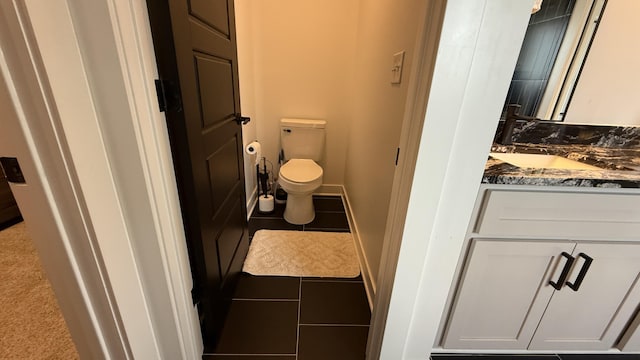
<point x="302" y="144"/>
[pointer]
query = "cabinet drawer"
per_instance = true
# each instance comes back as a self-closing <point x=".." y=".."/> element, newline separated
<point x="559" y="215"/>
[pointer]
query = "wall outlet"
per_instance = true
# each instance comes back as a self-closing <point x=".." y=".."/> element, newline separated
<point x="396" y="67"/>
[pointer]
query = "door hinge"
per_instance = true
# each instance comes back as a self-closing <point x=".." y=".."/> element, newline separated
<point x="168" y="96"/>
<point x="195" y="295"/>
<point x="397" y="155"/>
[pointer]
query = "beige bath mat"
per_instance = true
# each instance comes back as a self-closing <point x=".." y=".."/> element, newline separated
<point x="302" y="253"/>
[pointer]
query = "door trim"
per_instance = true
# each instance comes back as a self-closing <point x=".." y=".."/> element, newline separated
<point x="130" y="323"/>
<point x="131" y="30"/>
<point x="51" y="201"/>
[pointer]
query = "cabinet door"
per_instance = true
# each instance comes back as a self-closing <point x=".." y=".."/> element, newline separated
<point x="631" y="339"/>
<point x="503" y="293"/>
<point x="593" y="317"/>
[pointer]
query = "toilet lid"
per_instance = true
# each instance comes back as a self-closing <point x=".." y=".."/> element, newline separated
<point x="301" y="170"/>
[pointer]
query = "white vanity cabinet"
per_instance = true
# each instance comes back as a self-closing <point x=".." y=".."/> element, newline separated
<point x="503" y="293"/>
<point x="548" y="271"/>
<point x="593" y="316"/>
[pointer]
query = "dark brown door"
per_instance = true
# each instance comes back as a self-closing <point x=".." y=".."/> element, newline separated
<point x="195" y="47"/>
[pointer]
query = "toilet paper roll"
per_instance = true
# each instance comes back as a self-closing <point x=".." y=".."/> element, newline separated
<point x="254" y="148"/>
<point x="265" y="203"/>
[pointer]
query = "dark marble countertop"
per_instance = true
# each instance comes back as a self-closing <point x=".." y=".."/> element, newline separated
<point x="613" y="149"/>
<point x="620" y="167"/>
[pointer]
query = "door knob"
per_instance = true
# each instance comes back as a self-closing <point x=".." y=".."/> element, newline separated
<point x="242" y="120"/>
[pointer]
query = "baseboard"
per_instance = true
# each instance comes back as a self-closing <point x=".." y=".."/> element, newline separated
<point x="367" y="277"/>
<point x="252" y="201"/>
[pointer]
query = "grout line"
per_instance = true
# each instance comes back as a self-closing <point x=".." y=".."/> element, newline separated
<point x="299" y="307"/>
<point x="275" y="300"/>
<point x="354" y="281"/>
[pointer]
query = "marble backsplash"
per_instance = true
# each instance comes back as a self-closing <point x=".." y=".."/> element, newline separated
<point x="557" y="133"/>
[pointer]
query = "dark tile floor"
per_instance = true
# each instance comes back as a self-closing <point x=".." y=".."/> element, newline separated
<point x="537" y="357"/>
<point x="292" y="318"/>
<point x="330" y="216"/>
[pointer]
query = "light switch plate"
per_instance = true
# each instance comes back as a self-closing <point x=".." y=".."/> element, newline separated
<point x="396" y="67"/>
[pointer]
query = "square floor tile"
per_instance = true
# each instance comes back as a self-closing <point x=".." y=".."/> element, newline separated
<point x="267" y="287"/>
<point x="325" y="221"/>
<point x="328" y="203"/>
<point x="260" y="327"/>
<point x="332" y="342"/>
<point x="324" y="302"/>
<point x="256" y="224"/>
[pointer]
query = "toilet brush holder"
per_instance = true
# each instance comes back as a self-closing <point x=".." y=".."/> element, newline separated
<point x="281" y="196"/>
<point x="265" y="203"/>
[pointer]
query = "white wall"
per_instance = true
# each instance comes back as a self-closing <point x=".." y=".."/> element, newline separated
<point x="296" y="57"/>
<point x="607" y="92"/>
<point x="377" y="107"/>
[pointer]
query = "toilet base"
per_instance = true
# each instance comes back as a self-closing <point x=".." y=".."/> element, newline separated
<point x="299" y="209"/>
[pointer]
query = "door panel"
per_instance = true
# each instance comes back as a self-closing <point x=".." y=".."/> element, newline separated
<point x="215" y="82"/>
<point x="195" y="48"/>
<point x="223" y="174"/>
<point x="503" y="293"/>
<point x="593" y="317"/>
<point x="231" y="235"/>
<point x="207" y="40"/>
<point x="212" y="12"/>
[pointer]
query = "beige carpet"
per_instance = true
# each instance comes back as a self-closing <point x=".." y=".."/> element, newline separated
<point x="302" y="253"/>
<point x="31" y="326"/>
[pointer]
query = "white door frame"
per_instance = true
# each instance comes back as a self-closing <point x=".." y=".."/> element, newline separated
<point x="114" y="155"/>
<point x="50" y="201"/>
<point x="138" y="246"/>
<point x="479" y="46"/>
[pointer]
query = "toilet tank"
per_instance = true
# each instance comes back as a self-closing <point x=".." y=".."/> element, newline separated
<point x="302" y="138"/>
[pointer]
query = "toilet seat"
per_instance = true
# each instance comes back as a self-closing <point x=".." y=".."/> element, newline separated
<point x="301" y="171"/>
